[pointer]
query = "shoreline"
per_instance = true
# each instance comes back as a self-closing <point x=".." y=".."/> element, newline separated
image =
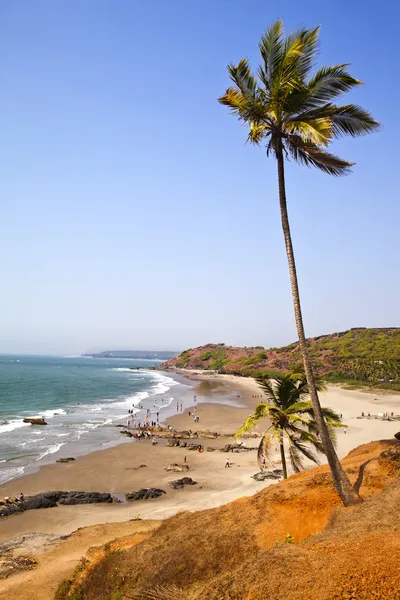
<point x="114" y="470"/>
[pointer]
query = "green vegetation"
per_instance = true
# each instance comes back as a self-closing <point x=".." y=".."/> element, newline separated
<point x="183" y="359"/>
<point x="254" y="359"/>
<point x="292" y="419"/>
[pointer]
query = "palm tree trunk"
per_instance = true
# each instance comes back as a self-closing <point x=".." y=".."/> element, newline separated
<point x="283" y="457"/>
<point x="339" y="477"/>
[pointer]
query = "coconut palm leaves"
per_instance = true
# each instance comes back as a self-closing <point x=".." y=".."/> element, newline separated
<point x="292" y="421"/>
<point x="288" y="108"/>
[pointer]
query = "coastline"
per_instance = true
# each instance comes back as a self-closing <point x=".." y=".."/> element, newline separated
<point x="115" y="470"/>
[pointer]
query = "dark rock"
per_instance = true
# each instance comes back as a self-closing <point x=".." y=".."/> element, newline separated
<point x="50" y="499"/>
<point x="145" y="494"/>
<point x="9" y="509"/>
<point x="36" y="502"/>
<point x="263" y="475"/>
<point x="397" y="435"/>
<point x="210" y="449"/>
<point x="35" y="421"/>
<point x="177" y="468"/>
<point x="65" y="460"/>
<point x="178" y="484"/>
<point x="85" y="498"/>
<point x="127" y="433"/>
<point x="234" y="448"/>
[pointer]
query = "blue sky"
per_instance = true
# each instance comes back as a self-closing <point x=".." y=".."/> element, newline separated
<point x="134" y="214"/>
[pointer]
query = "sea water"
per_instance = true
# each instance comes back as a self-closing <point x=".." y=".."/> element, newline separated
<point x="81" y="399"/>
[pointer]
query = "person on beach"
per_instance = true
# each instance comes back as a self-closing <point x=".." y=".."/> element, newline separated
<point x="21" y="497"/>
<point x="227" y="463"/>
<point x="264" y="463"/>
<point x="184" y="460"/>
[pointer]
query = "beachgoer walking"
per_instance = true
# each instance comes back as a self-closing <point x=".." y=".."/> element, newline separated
<point x="184" y="460"/>
<point x="227" y="463"/>
<point x="264" y="463"/>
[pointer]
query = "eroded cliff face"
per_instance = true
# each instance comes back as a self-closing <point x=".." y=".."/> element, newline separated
<point x="243" y="551"/>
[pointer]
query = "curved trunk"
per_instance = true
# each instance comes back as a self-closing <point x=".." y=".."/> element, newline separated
<point x="340" y="479"/>
<point x="283" y="457"/>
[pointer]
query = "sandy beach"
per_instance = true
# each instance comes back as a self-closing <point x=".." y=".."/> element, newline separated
<point x="115" y="470"/>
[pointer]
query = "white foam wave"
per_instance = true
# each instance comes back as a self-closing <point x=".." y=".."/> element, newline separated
<point x="122" y="369"/>
<point x="10" y="473"/>
<point x="13" y="424"/>
<point x="50" y="450"/>
<point x="49" y="414"/>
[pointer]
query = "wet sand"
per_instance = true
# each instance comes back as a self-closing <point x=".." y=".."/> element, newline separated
<point x="113" y="471"/>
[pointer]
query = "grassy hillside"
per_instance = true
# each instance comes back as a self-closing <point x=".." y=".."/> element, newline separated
<point x="361" y="353"/>
<point x="291" y="541"/>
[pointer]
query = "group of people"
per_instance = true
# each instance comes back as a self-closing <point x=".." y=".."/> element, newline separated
<point x="8" y="500"/>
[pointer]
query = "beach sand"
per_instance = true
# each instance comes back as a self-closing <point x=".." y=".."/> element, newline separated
<point x="112" y="470"/>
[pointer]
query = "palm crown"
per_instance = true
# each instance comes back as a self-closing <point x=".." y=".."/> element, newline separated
<point x="288" y="108"/>
<point x="291" y="418"/>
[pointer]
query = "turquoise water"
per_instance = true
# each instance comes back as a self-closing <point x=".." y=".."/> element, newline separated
<point x="82" y="399"/>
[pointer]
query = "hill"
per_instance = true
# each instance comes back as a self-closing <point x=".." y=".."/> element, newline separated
<point x="242" y="550"/>
<point x="138" y="354"/>
<point x="354" y="353"/>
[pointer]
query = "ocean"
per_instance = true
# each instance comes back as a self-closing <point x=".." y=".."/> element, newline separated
<point x="81" y="399"/>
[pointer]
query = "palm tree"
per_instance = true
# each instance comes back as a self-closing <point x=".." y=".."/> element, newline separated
<point x="293" y="114"/>
<point x="291" y="418"/>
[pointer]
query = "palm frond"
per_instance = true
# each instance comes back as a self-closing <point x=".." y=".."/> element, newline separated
<point x="247" y="426"/>
<point x="331" y="415"/>
<point x="242" y="76"/>
<point x="353" y="120"/>
<point x="267" y="386"/>
<point x="263" y="451"/>
<point x="329" y="82"/>
<point x="305" y="450"/>
<point x="271" y="49"/>
<point x="262" y="411"/>
<point x="311" y="155"/>
<point x="257" y="133"/>
<point x="295" y="458"/>
<point x="299" y="407"/>
<point x="310" y="39"/>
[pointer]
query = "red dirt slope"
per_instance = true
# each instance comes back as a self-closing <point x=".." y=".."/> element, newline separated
<point x="238" y="551"/>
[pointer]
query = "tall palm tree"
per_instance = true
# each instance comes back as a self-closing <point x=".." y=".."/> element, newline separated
<point x="292" y="112"/>
<point x="291" y="418"/>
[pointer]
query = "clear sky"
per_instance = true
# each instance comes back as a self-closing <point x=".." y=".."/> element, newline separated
<point x="133" y="214"/>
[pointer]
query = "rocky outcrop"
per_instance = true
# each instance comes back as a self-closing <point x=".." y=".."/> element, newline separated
<point x="35" y="421"/>
<point x="85" y="498"/>
<point x="65" y="460"/>
<point x="52" y="499"/>
<point x="145" y="494"/>
<point x="10" y="565"/>
<point x="235" y="448"/>
<point x="263" y="475"/>
<point x="127" y="433"/>
<point x="175" y="468"/>
<point x="179" y="484"/>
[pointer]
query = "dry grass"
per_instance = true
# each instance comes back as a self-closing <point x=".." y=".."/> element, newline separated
<point x="238" y="551"/>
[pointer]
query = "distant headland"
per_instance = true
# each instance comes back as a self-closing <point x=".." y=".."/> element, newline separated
<point x="137" y="354"/>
